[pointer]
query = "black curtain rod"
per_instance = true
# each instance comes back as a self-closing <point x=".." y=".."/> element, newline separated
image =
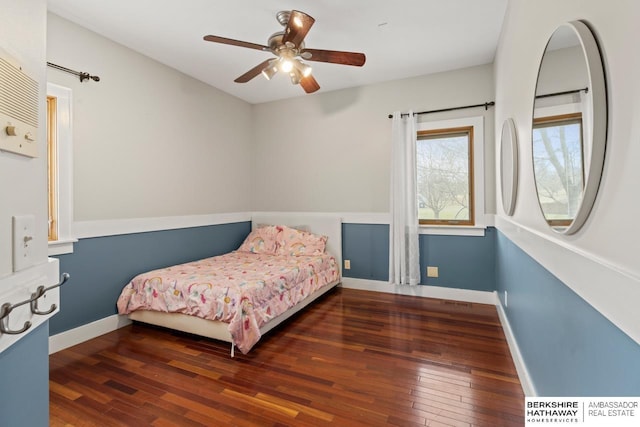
<point x="81" y="75"/>
<point x="486" y="105"/>
<point x="566" y="92"/>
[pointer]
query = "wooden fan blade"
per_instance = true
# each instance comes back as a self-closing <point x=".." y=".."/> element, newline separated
<point x="309" y="84"/>
<point x="334" y="57"/>
<point x="252" y="72"/>
<point x="297" y="28"/>
<point x="224" y="40"/>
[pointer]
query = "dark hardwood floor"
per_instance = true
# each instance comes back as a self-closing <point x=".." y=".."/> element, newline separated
<point x="354" y="358"/>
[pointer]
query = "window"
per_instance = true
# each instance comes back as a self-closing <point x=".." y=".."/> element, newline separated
<point x="52" y="164"/>
<point x="445" y="176"/>
<point x="59" y="151"/>
<point x="450" y="170"/>
<point x="558" y="161"/>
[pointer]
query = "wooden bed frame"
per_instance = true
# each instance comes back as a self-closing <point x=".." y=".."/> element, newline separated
<point x="328" y="225"/>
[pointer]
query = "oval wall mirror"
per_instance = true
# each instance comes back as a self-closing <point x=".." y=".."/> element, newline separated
<point x="509" y="166"/>
<point x="569" y="129"/>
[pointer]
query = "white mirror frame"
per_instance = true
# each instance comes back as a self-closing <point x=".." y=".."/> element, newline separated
<point x="598" y="140"/>
<point x="509" y="166"/>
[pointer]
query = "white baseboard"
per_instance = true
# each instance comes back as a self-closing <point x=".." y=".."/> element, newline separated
<point x="466" y="295"/>
<point x="523" y="373"/>
<point x="86" y="332"/>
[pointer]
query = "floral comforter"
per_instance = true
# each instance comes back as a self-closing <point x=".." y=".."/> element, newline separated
<point x="243" y="289"/>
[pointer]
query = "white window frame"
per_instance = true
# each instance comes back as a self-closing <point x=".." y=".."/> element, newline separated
<point x="478" y="229"/>
<point x="64" y="187"/>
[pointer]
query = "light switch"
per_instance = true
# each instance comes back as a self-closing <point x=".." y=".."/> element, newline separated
<point x="23" y="234"/>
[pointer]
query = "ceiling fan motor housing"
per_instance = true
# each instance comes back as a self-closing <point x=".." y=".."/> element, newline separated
<point x="278" y="47"/>
<point x="283" y="17"/>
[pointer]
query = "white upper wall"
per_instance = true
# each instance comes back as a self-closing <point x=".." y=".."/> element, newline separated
<point x="609" y="239"/>
<point x="612" y="231"/>
<point x="149" y="141"/>
<point x="330" y="152"/>
<point x="23" y="180"/>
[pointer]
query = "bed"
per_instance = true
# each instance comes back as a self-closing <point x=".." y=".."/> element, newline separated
<point x="287" y="262"/>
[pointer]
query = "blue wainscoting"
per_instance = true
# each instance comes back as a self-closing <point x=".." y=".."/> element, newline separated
<point x="24" y="381"/>
<point x="464" y="262"/>
<point x="101" y="267"/>
<point x="367" y="247"/>
<point x="569" y="348"/>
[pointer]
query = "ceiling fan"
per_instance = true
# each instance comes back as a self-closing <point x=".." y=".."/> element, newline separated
<point x="289" y="49"/>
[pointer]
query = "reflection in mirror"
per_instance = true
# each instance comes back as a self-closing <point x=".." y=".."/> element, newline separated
<point x="509" y="166"/>
<point x="558" y="166"/>
<point x="569" y="127"/>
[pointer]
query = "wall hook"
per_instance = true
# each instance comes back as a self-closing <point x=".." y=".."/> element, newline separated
<point x="34" y="302"/>
<point x="40" y="291"/>
<point x="5" y="309"/>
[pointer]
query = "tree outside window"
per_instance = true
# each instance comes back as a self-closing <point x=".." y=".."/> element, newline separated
<point x="559" y="166"/>
<point x="445" y="176"/>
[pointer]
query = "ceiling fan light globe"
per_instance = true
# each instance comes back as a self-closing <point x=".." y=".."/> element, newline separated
<point x="296" y="75"/>
<point x="286" y="65"/>
<point x="269" y="72"/>
<point x="305" y="69"/>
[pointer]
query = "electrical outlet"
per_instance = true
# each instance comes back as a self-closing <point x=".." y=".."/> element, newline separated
<point x="432" y="271"/>
<point x="506" y="301"/>
<point x="347" y="264"/>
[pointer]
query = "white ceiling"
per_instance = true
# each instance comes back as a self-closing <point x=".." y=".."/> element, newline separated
<point x="401" y="38"/>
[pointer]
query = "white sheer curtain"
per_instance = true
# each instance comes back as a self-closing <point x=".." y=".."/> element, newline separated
<point x="404" y="261"/>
